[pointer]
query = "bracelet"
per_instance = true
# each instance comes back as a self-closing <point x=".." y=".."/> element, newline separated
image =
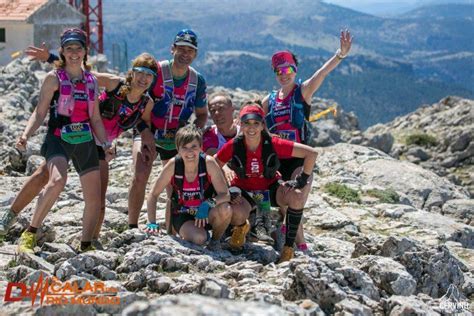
<point x="106" y="145"/>
<point x="339" y="55"/>
<point x="52" y="58"/>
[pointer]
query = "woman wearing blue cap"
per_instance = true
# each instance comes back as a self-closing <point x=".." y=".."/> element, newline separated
<point x="123" y="105"/>
<point x="69" y="94"/>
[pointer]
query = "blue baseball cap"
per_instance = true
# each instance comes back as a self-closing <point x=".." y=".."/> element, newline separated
<point x="186" y="37"/>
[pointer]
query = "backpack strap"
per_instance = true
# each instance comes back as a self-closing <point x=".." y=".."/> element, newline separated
<point x="269" y="118"/>
<point x="179" y="176"/>
<point x="239" y="157"/>
<point x="168" y="84"/>
<point x="92" y="91"/>
<point x="270" y="160"/>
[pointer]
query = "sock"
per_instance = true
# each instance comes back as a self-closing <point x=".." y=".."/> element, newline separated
<point x="132" y="226"/>
<point x="32" y="229"/>
<point x="303" y="246"/>
<point x="293" y="219"/>
<point x="85" y="244"/>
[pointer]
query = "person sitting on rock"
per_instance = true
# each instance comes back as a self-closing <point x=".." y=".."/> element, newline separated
<point x="254" y="157"/>
<point x="288" y="108"/>
<point x="123" y="105"/>
<point x="200" y="197"/>
<point x="224" y="129"/>
<point x="69" y="93"/>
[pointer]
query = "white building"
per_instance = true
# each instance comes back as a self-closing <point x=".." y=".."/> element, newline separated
<point x="26" y="22"/>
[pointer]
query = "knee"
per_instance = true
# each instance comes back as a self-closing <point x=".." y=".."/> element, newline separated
<point x="57" y="183"/>
<point x="200" y="239"/>
<point x="42" y="176"/>
<point x="225" y="211"/>
<point x="297" y="201"/>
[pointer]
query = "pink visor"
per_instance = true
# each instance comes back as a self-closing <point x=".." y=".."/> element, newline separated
<point x="283" y="59"/>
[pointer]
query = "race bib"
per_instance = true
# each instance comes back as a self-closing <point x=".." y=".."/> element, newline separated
<point x="262" y="198"/>
<point x="287" y="134"/>
<point x="76" y="133"/>
<point x="165" y="140"/>
<point x="187" y="210"/>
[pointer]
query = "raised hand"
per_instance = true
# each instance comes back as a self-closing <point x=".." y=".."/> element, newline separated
<point x="38" y="53"/>
<point x="346" y="41"/>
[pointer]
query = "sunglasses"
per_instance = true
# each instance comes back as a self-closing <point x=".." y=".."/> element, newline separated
<point x="285" y="70"/>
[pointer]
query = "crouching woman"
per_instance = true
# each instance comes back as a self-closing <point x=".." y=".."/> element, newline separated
<point x="200" y="198"/>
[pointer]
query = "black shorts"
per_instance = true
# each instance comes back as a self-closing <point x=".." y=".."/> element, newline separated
<point x="288" y="166"/>
<point x="100" y="153"/>
<point x="178" y="219"/>
<point x="166" y="154"/>
<point x="84" y="156"/>
<point x="273" y="190"/>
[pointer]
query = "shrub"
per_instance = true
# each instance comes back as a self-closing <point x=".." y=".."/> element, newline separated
<point x="342" y="192"/>
<point x="421" y="139"/>
<point x="385" y="196"/>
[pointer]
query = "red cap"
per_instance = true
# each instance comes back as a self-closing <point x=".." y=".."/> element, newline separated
<point x="251" y="112"/>
<point x="283" y="59"/>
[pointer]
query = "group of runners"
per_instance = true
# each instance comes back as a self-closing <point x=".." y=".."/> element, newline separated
<point x="220" y="180"/>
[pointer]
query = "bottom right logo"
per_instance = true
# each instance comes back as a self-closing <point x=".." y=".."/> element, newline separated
<point x="452" y="302"/>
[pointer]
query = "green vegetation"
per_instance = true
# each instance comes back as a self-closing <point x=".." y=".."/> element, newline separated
<point x="385" y="196"/>
<point x="120" y="228"/>
<point x="12" y="263"/>
<point x="342" y="192"/>
<point x="421" y="139"/>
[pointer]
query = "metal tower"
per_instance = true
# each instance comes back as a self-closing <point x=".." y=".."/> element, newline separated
<point x="93" y="26"/>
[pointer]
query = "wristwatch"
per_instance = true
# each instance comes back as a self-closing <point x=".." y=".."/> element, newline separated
<point x="106" y="145"/>
<point x="339" y="54"/>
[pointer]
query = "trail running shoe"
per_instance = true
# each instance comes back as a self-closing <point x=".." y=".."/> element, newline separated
<point x="27" y="242"/>
<point x="286" y="254"/>
<point x="214" y="245"/>
<point x="237" y="240"/>
<point x="6" y="221"/>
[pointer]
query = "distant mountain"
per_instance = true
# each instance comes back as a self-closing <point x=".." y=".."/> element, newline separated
<point x="417" y="58"/>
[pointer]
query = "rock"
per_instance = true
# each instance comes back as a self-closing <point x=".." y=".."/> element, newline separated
<point x="33" y="163"/>
<point x="388" y="274"/>
<point x="36" y="262"/>
<point x="403" y="305"/>
<point x="462" y="209"/>
<point x="214" y="288"/>
<point x="160" y="285"/>
<point x="193" y="304"/>
<point x="351" y="307"/>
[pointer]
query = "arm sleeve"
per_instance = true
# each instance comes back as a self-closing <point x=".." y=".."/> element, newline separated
<point x="283" y="147"/>
<point x="226" y="152"/>
<point x="201" y="93"/>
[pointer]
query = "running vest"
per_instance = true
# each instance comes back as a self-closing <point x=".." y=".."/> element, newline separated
<point x="179" y="197"/>
<point x="270" y="160"/>
<point x="220" y="138"/>
<point x="67" y="109"/>
<point x="117" y="113"/>
<point x="175" y="104"/>
<point x="289" y="118"/>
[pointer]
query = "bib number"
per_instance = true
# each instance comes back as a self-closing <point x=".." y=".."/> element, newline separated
<point x="166" y="139"/>
<point x="287" y="134"/>
<point x="76" y="133"/>
<point x="262" y="198"/>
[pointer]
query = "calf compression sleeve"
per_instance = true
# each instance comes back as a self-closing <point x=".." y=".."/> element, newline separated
<point x="293" y="219"/>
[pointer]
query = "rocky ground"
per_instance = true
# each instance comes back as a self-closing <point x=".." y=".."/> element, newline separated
<point x="395" y="249"/>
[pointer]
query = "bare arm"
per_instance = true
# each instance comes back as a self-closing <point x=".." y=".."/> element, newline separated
<point x="311" y="85"/>
<point x="309" y="155"/>
<point x="218" y="181"/>
<point x="265" y="103"/>
<point x="201" y="116"/>
<point x="108" y="81"/>
<point x="97" y="125"/>
<point x="160" y="184"/>
<point x="50" y="85"/>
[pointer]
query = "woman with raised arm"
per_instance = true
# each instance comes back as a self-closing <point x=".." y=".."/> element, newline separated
<point x="288" y="108"/>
